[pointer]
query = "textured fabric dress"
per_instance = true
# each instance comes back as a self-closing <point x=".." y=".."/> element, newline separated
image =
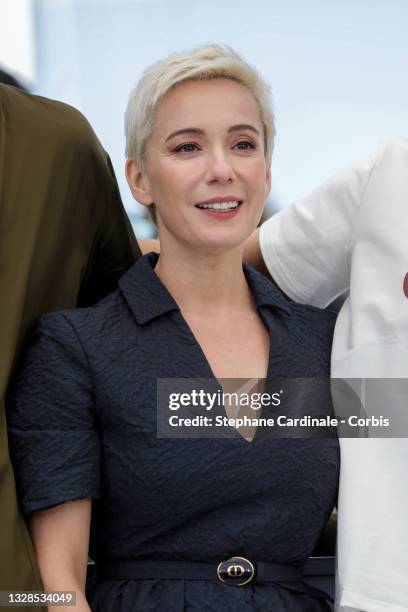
<point x="82" y="419"/>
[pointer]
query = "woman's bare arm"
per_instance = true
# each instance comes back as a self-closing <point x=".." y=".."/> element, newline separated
<point x="253" y="255"/>
<point x="61" y="540"/>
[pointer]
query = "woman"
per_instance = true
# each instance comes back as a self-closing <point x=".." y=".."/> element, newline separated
<point x="82" y="411"/>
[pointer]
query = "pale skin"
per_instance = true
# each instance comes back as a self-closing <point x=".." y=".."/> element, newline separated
<point x="252" y="251"/>
<point x="218" y="151"/>
<point x="61" y="540"/>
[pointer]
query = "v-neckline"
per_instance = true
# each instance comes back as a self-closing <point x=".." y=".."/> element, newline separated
<point x="213" y="377"/>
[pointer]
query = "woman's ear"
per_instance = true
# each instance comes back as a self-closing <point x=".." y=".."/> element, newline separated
<point x="268" y="179"/>
<point x="138" y="182"/>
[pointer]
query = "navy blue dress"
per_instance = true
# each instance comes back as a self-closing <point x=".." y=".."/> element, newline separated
<point x="82" y="424"/>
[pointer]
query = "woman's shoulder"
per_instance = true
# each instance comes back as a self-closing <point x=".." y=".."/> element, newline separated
<point x="68" y="345"/>
<point x="265" y="290"/>
<point x="314" y="314"/>
<point x="85" y="321"/>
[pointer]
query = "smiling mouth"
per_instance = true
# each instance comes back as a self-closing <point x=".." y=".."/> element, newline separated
<point x="221" y="206"/>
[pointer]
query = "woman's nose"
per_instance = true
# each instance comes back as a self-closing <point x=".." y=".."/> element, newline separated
<point x="219" y="168"/>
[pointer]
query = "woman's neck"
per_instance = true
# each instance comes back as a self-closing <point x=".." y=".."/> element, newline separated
<point x="202" y="282"/>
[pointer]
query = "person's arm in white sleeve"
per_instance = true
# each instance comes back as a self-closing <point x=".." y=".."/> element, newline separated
<point x="305" y="247"/>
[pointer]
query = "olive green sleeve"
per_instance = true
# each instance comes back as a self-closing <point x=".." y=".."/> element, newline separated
<point x="115" y="248"/>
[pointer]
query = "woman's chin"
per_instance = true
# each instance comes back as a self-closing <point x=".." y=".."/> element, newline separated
<point x="218" y="249"/>
<point x="212" y="242"/>
<point x="220" y="242"/>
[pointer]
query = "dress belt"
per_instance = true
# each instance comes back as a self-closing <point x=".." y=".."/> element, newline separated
<point x="234" y="571"/>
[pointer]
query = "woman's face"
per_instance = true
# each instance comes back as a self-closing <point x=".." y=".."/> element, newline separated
<point x="205" y="166"/>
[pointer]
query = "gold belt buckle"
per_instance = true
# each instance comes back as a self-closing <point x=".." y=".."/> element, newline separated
<point x="237" y="571"/>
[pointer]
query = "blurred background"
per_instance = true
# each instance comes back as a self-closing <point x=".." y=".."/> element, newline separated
<point x="338" y="70"/>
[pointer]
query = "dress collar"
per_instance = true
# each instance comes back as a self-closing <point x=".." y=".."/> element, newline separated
<point x="148" y="298"/>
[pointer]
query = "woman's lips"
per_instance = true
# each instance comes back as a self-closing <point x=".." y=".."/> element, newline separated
<point x="221" y="214"/>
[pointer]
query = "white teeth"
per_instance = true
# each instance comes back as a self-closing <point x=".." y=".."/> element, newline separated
<point x="220" y="205"/>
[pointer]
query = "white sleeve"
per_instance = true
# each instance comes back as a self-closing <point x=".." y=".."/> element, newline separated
<point x="306" y="246"/>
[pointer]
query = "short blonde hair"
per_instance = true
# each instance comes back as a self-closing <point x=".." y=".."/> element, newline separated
<point x="201" y="63"/>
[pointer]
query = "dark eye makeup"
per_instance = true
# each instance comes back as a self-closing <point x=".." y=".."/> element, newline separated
<point x="190" y="147"/>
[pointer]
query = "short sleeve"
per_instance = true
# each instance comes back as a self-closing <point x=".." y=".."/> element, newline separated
<point x="53" y="435"/>
<point x="306" y="246"/>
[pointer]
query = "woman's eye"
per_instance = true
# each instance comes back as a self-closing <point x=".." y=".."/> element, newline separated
<point x="243" y="145"/>
<point x="187" y="147"/>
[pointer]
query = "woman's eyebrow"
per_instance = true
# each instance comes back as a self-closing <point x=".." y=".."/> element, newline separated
<point x="243" y="126"/>
<point x="184" y="131"/>
<point x="233" y="128"/>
